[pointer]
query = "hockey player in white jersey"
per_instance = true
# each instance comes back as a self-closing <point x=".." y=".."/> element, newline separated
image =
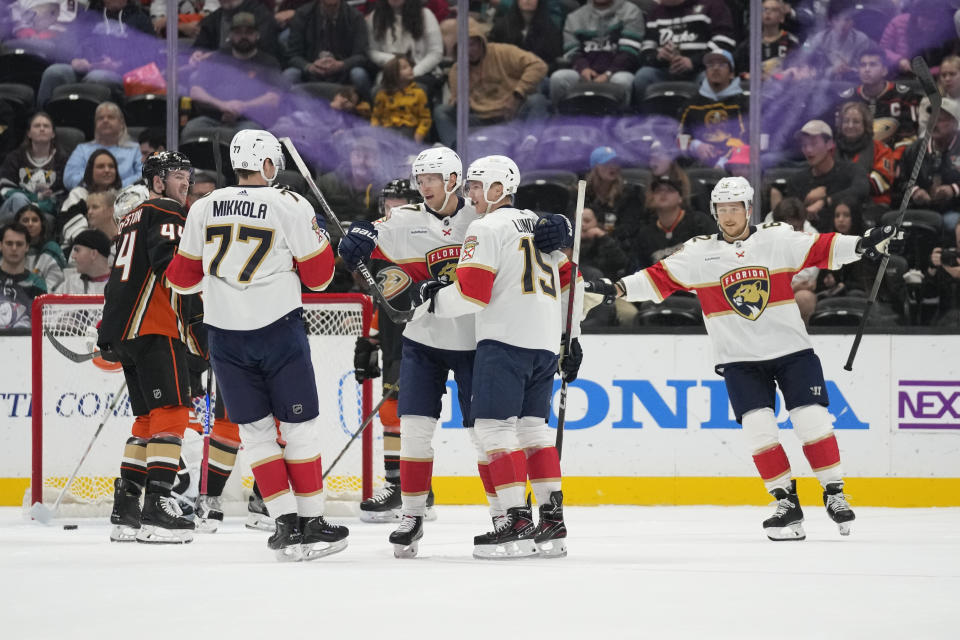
<point x="514" y="294"/>
<point x="251" y="247"/>
<point x="742" y="277"/>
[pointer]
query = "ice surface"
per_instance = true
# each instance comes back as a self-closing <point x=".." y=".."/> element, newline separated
<point x="632" y="572"/>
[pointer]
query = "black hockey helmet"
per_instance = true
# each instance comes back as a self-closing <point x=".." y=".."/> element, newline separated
<point x="159" y="163"/>
<point x="399" y="188"/>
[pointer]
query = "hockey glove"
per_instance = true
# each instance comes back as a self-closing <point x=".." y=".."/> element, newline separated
<point x="602" y="287"/>
<point x="366" y="364"/>
<point x="876" y="241"/>
<point x="424" y="291"/>
<point x="553" y="232"/>
<point x="569" y="363"/>
<point x="358" y="243"/>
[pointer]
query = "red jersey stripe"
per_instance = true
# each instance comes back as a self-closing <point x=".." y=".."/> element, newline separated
<point x="316" y="272"/>
<point x="475" y="283"/>
<point x="713" y="301"/>
<point x="662" y="281"/>
<point x="820" y="253"/>
<point x="183" y="272"/>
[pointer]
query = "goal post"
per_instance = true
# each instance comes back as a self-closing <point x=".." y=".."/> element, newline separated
<point x="71" y="398"/>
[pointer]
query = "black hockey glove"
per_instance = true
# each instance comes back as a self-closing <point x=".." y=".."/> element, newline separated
<point x="876" y="241"/>
<point x="424" y="291"/>
<point x="358" y="243"/>
<point x="553" y="232"/>
<point x="602" y="287"/>
<point x="366" y="364"/>
<point x="569" y="363"/>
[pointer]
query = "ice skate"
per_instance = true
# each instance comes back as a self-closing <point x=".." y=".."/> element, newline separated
<point x="257" y="516"/>
<point x="513" y="537"/>
<point x="125" y="516"/>
<point x="287" y="539"/>
<point x="162" y="522"/>
<point x="384" y="506"/>
<point x="551" y="533"/>
<point x="837" y="507"/>
<point x="787" y="521"/>
<point x="431" y="512"/>
<point x="209" y="512"/>
<point x="406" y="538"/>
<point x="320" y="538"/>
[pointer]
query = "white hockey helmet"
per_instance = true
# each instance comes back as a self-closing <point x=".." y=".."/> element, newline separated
<point x="442" y="160"/>
<point x="250" y="147"/>
<point x="732" y="189"/>
<point x="129" y="198"/>
<point x="490" y="170"/>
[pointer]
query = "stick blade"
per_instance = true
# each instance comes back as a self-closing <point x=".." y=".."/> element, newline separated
<point x="41" y="513"/>
<point x="929" y="87"/>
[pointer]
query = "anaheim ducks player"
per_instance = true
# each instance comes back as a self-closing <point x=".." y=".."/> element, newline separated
<point x="742" y="277"/>
<point x="513" y="293"/>
<point x="145" y="327"/>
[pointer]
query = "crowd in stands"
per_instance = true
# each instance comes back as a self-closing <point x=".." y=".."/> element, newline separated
<point x="648" y="100"/>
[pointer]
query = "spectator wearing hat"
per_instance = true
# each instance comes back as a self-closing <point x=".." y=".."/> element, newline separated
<point x="826" y="181"/>
<point x="840" y="41"/>
<point x="608" y="194"/>
<point x="712" y="123"/>
<point x="938" y="183"/>
<point x="214" y="33"/>
<point x="602" y="41"/>
<point x="18" y="285"/>
<point x="236" y="91"/>
<point x="894" y="105"/>
<point x="91" y="253"/>
<point x="672" y="224"/>
<point x="678" y="34"/>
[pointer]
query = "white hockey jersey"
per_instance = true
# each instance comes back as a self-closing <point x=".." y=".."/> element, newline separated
<point x="251" y="246"/>
<point x="427" y="246"/>
<point x="744" y="286"/>
<point x="515" y="291"/>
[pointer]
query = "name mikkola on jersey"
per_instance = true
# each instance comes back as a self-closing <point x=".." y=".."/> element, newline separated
<point x="242" y="208"/>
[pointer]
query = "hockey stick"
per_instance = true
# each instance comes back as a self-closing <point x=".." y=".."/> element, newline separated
<point x="66" y="351"/>
<point x="568" y="338"/>
<point x="207" y="424"/>
<point x="39" y="511"/>
<point x="396" y="315"/>
<point x="369" y="418"/>
<point x="922" y="72"/>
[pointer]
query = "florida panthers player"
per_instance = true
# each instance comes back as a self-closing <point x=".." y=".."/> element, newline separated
<point x="514" y="295"/>
<point x="742" y="277"/>
<point x="251" y="247"/>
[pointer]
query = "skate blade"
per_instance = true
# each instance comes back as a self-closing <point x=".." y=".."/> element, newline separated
<point x="292" y="553"/>
<point x="406" y="551"/>
<point x="317" y="550"/>
<point x="260" y="522"/>
<point x="380" y="516"/>
<point x="123" y="533"/>
<point x="430" y="515"/>
<point x="556" y="548"/>
<point x="788" y="533"/>
<point x="150" y="534"/>
<point x="204" y="525"/>
<point x="844" y="528"/>
<point x="507" y="551"/>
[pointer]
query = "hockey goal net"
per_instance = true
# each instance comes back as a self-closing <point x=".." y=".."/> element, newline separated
<point x="70" y="399"/>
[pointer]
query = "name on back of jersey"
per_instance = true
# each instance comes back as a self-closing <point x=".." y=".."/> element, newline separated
<point x="244" y="208"/>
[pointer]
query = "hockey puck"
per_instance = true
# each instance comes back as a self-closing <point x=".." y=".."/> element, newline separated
<point x="69" y="527"/>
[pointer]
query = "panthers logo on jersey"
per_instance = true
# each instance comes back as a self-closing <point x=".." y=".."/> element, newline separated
<point x="442" y="263"/>
<point x="747" y="290"/>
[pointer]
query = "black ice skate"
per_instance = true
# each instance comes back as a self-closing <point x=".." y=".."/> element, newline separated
<point x="837" y="507"/>
<point x="513" y="537"/>
<point x="384" y="506"/>
<point x="125" y="516"/>
<point x="287" y="539"/>
<point x="431" y="512"/>
<point x="787" y="521"/>
<point x="551" y="533"/>
<point x="257" y="516"/>
<point x="406" y="538"/>
<point x="320" y="538"/>
<point x="162" y="521"/>
<point x="209" y="512"/>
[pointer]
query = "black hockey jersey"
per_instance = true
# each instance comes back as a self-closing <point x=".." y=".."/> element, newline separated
<point x="894" y="111"/>
<point x="136" y="300"/>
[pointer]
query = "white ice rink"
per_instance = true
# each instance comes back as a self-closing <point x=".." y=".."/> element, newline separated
<point x="632" y="572"/>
